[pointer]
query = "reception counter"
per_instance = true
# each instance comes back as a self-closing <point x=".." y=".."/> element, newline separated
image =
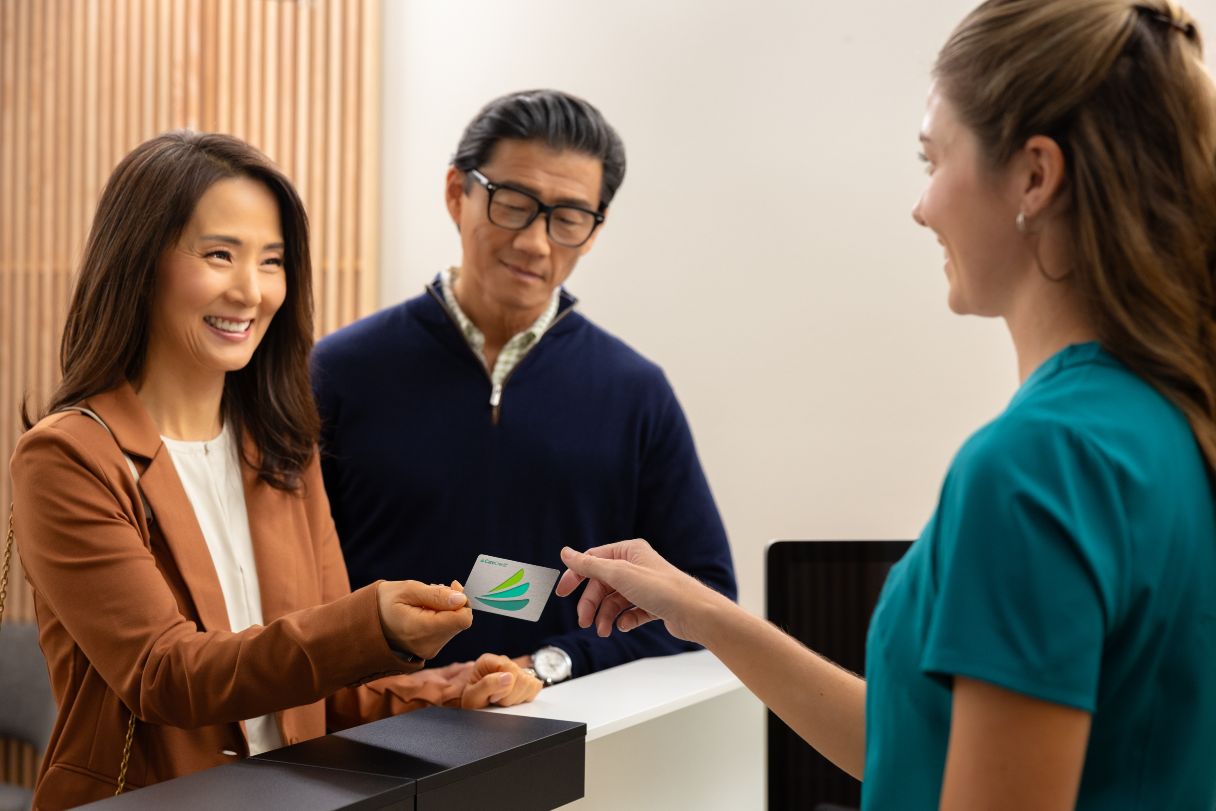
<point x="672" y="732"/>
<point x="662" y="733"/>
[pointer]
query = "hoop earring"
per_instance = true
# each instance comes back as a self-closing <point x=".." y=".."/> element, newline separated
<point x="1042" y="270"/>
<point x="1020" y="223"/>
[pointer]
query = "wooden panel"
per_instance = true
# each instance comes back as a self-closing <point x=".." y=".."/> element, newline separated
<point x="84" y="81"/>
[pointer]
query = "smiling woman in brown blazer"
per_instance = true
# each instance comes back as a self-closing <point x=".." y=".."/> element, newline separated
<point x="189" y="332"/>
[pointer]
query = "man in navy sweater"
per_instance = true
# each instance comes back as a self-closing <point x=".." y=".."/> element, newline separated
<point x="487" y="416"/>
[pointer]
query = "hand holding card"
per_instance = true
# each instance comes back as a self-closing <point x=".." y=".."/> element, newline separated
<point x="421" y="619"/>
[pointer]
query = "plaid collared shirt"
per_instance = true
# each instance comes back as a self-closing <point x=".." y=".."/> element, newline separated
<point x="515" y="349"/>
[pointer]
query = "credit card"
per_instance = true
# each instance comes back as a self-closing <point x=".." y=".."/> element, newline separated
<point x="510" y="588"/>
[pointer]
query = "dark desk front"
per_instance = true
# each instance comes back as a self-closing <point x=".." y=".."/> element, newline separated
<point x="426" y="760"/>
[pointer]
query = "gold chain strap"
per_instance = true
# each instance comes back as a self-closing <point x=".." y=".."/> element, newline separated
<point x="8" y="557"/>
<point x="126" y="756"/>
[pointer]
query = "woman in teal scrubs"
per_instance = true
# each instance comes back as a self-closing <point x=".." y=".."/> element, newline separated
<point x="1050" y="640"/>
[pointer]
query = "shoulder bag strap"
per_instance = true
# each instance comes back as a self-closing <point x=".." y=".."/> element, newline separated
<point x="8" y="556"/>
<point x="130" y="463"/>
<point x="8" y="553"/>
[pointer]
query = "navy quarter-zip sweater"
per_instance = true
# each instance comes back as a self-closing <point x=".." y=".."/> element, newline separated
<point x="590" y="446"/>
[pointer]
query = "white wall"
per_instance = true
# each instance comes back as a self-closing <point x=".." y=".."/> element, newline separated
<point x="761" y="248"/>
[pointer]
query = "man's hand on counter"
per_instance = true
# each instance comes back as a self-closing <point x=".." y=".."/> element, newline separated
<point x="492" y="679"/>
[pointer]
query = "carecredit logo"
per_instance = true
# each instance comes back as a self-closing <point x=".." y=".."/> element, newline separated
<point x="505" y="595"/>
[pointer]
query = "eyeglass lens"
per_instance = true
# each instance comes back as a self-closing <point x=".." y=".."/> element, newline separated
<point x="567" y="225"/>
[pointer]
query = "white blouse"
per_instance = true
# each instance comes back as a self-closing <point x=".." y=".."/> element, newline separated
<point x="210" y="471"/>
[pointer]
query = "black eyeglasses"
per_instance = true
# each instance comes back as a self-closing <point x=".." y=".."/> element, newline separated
<point x="515" y="210"/>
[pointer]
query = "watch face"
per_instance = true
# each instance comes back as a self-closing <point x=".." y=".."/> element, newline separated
<point x="550" y="665"/>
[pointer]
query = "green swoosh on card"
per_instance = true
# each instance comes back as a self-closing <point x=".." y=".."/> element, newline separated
<point x="515" y="592"/>
<point x="505" y="605"/>
<point x="510" y="581"/>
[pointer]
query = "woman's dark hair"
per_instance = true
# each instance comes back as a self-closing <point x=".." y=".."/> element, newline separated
<point x="146" y="204"/>
<point x="1121" y="87"/>
<point x="560" y="120"/>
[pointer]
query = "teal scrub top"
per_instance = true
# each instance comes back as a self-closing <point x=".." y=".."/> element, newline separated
<point x="1072" y="558"/>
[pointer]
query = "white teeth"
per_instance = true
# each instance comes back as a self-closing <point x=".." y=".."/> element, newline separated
<point x="225" y="325"/>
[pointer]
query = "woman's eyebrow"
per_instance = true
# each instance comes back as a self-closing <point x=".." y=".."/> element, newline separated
<point x="227" y="240"/>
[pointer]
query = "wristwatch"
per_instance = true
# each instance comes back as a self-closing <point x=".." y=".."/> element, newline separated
<point x="552" y="665"/>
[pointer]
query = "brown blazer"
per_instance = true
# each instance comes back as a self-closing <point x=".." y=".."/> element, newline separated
<point x="132" y="619"/>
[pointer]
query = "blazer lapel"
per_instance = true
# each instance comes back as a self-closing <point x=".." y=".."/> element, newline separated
<point x="139" y="438"/>
<point x="277" y="533"/>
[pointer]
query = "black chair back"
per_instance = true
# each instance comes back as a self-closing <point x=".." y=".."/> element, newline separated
<point x="25" y="687"/>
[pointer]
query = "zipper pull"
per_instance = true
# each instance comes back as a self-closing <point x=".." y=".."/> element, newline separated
<point x="495" y="402"/>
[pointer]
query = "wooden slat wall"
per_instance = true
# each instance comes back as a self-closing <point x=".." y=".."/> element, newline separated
<point x="84" y="81"/>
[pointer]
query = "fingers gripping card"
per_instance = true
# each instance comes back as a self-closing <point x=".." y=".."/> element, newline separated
<point x="510" y="588"/>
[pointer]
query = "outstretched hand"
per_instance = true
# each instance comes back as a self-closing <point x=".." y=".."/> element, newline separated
<point x="630" y="584"/>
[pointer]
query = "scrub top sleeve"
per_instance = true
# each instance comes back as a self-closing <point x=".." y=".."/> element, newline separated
<point x="1029" y="525"/>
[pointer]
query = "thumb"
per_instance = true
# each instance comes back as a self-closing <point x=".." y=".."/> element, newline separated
<point x="586" y="565"/>
<point x="436" y="598"/>
<point x="489" y="663"/>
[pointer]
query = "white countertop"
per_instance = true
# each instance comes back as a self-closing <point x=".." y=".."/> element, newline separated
<point x="630" y="694"/>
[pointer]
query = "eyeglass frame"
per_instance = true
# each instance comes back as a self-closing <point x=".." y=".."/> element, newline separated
<point x="541" y="208"/>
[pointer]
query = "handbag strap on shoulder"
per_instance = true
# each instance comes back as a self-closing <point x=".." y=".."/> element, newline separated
<point x="126" y="746"/>
<point x="130" y="463"/>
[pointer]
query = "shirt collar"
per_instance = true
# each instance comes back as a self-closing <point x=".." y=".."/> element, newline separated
<point x="475" y="336"/>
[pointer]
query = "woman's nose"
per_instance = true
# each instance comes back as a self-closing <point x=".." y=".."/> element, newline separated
<point x="247" y="287"/>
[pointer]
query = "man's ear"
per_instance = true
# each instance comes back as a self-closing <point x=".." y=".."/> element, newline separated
<point x="1042" y="169"/>
<point x="453" y="194"/>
